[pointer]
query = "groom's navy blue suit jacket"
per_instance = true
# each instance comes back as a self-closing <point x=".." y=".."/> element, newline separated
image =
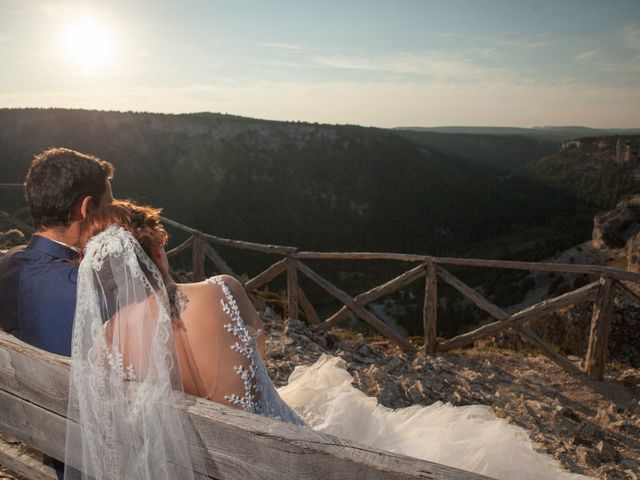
<point x="38" y="294"/>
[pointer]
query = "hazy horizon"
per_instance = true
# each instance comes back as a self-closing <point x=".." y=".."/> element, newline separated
<point x="532" y="127"/>
<point x="385" y="64"/>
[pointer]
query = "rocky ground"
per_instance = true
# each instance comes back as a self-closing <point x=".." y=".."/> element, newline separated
<point x="590" y="427"/>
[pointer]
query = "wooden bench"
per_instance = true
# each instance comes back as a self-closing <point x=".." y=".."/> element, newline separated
<point x="234" y="444"/>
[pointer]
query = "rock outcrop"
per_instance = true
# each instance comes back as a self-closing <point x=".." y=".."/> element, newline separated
<point x="612" y="229"/>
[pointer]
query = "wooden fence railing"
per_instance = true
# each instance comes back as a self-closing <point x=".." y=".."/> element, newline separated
<point x="429" y="269"/>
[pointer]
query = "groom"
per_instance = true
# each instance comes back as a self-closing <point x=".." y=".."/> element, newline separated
<point x="38" y="281"/>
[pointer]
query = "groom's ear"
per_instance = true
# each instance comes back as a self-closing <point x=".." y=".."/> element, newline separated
<point x="86" y="206"/>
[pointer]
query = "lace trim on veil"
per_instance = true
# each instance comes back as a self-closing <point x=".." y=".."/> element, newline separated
<point x="116" y="423"/>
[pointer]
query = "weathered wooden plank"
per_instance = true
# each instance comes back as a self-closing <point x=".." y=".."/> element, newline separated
<point x="253" y="451"/>
<point x="543" y="266"/>
<point x="525" y="332"/>
<point x="363" y="313"/>
<point x="474" y="262"/>
<point x="45" y="431"/>
<point x="16" y="222"/>
<point x="430" y="308"/>
<point x="620" y="274"/>
<point x="181" y="248"/>
<point x="197" y="260"/>
<point x="14" y="458"/>
<point x="292" y="289"/>
<point x="266" y="276"/>
<point x="258" y="247"/>
<point x="217" y="260"/>
<point x="307" y="307"/>
<point x="531" y="337"/>
<point x="33" y="373"/>
<point x="473" y="295"/>
<point x="600" y="327"/>
<point x="406" y="257"/>
<point x="373" y="294"/>
<point x="229" y="443"/>
<point x="627" y="292"/>
<point x="533" y="311"/>
<point x="520" y="265"/>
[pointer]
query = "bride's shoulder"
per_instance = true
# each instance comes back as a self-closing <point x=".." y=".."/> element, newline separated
<point x="218" y="286"/>
<point x="224" y="280"/>
<point x="225" y="284"/>
<point x="213" y="282"/>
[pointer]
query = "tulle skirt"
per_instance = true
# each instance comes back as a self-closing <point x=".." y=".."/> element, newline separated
<point x="470" y="437"/>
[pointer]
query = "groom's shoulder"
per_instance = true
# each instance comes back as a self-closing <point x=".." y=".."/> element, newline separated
<point x="24" y="261"/>
<point x="13" y="252"/>
<point x="13" y="258"/>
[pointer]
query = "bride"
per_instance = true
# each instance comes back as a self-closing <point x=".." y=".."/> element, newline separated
<point x="140" y="339"/>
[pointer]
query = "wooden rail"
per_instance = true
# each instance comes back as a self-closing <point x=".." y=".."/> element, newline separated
<point x="230" y="444"/>
<point x="16" y="222"/>
<point x="431" y="269"/>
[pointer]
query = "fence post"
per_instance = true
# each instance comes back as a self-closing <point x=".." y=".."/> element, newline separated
<point x="197" y="259"/>
<point x="600" y="327"/>
<point x="430" y="308"/>
<point x="292" y="288"/>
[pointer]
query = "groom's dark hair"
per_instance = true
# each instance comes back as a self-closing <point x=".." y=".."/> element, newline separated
<point x="58" y="179"/>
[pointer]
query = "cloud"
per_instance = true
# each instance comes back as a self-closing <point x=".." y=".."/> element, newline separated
<point x="15" y="8"/>
<point x="631" y="36"/>
<point x="286" y="46"/>
<point x="512" y="39"/>
<point x="514" y="43"/>
<point x="436" y="68"/>
<point x="585" y="55"/>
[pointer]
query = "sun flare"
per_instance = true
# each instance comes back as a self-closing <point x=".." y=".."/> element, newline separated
<point x="87" y="43"/>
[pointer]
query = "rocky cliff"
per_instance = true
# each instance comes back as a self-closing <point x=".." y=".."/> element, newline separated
<point x="598" y="170"/>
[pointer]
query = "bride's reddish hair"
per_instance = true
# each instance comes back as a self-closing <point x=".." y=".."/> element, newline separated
<point x="142" y="221"/>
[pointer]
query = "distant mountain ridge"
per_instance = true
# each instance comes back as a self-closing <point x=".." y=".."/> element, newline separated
<point x="547" y="133"/>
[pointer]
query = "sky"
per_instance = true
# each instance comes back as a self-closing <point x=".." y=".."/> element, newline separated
<point x="374" y="63"/>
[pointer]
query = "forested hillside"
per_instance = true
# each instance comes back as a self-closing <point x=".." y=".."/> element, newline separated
<point x="508" y="152"/>
<point x="314" y="186"/>
<point x="597" y="170"/>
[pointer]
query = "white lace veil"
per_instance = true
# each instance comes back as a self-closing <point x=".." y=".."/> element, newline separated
<point x="125" y="377"/>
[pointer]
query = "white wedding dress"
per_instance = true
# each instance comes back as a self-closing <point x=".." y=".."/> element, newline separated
<point x="470" y="437"/>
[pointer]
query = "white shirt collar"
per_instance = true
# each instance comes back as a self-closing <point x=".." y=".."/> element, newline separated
<point x="75" y="249"/>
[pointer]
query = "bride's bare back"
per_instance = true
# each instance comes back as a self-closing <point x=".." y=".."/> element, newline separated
<point x="212" y="343"/>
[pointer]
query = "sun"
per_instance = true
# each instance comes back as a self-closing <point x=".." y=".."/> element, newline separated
<point x="87" y="43"/>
